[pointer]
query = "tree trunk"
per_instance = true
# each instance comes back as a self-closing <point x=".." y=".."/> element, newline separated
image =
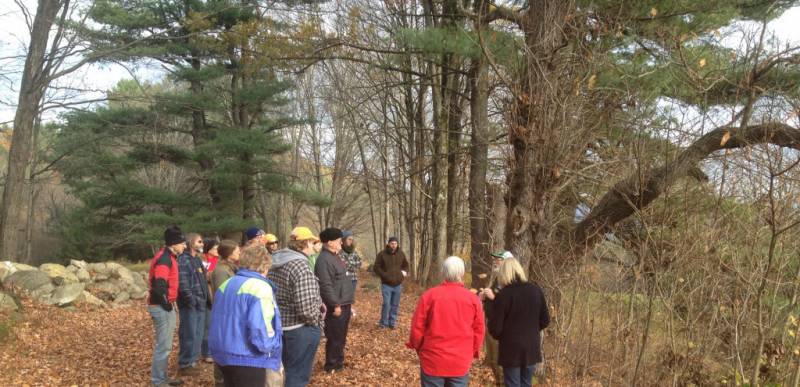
<point x="478" y="163"/>
<point x="14" y="218"/>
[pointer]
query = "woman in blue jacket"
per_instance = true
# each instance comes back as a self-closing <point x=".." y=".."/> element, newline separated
<point x="245" y="333"/>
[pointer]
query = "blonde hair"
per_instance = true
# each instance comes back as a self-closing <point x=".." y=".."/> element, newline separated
<point x="510" y="271"/>
<point x="255" y="258"/>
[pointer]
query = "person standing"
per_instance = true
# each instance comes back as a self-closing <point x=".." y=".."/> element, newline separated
<point x="254" y="236"/>
<point x="193" y="303"/>
<point x="298" y="297"/>
<point x="210" y="258"/>
<point x="491" y="345"/>
<point x="272" y="243"/>
<point x="447" y="329"/>
<point x="337" y="293"/>
<point x="392" y="267"/>
<point x="245" y="337"/>
<point x="226" y="268"/>
<point x="517" y="314"/>
<point x="350" y="256"/>
<point x="163" y="292"/>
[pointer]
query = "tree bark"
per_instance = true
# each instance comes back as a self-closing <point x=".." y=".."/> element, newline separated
<point x="478" y="163"/>
<point x="14" y="217"/>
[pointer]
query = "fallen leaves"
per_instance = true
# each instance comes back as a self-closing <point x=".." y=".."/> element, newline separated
<point x="113" y="347"/>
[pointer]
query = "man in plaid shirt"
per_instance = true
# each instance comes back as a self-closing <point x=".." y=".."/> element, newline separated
<point x="350" y="256"/>
<point x="302" y="311"/>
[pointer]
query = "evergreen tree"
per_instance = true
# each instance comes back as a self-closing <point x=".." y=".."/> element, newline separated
<point x="194" y="151"/>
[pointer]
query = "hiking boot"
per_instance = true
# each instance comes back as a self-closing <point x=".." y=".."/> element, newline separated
<point x="174" y="382"/>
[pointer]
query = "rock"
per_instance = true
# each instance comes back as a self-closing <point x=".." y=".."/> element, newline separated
<point x="8" y="303"/>
<point x="72" y="269"/>
<point x="124" y="274"/>
<point x="28" y="280"/>
<point x="114" y="268"/>
<point x="139" y="296"/>
<point x="87" y="298"/>
<point x="122" y="297"/>
<point x="66" y="294"/>
<point x="78" y="264"/>
<point x="22" y="266"/>
<point x="106" y="290"/>
<point x="101" y="277"/>
<point x="58" y="273"/>
<point x="42" y="294"/>
<point x="83" y="275"/>
<point x="98" y="268"/>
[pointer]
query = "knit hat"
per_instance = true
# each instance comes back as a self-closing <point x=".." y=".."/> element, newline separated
<point x="271" y="238"/>
<point x="393" y="239"/>
<point x="502" y="254"/>
<point x="173" y="236"/>
<point x="253" y="232"/>
<point x="330" y="234"/>
<point x="302" y="234"/>
<point x="346" y="234"/>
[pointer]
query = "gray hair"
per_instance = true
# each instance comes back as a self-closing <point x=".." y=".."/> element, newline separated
<point x="453" y="269"/>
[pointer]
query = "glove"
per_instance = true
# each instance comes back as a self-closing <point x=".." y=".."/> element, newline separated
<point x="166" y="306"/>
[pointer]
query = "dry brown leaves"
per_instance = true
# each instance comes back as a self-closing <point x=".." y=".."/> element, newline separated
<point x="113" y="347"/>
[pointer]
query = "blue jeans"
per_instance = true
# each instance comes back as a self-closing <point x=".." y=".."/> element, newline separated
<point x="391" y="301"/>
<point x="190" y="334"/>
<point x="442" y="381"/>
<point x="204" y="347"/>
<point x="299" y="348"/>
<point x="518" y="376"/>
<point x="164" y="324"/>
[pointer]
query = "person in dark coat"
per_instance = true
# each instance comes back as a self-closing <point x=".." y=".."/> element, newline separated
<point x="392" y="266"/>
<point x="517" y="314"/>
<point x="337" y="294"/>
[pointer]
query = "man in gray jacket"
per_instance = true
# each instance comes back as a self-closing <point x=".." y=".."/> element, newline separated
<point x="337" y="293"/>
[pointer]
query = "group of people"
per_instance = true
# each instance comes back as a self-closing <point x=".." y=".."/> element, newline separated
<point x="258" y="312"/>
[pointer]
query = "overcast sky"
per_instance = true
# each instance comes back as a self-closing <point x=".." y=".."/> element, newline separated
<point x="96" y="78"/>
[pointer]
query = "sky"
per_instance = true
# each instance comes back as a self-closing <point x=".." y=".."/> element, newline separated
<point x="92" y="81"/>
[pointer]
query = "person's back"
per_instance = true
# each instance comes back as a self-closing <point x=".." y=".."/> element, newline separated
<point x="246" y="327"/>
<point x="518" y="315"/>
<point x="449" y="330"/>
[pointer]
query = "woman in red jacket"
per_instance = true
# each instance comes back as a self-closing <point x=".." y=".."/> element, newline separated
<point x="447" y="329"/>
<point x="517" y="314"/>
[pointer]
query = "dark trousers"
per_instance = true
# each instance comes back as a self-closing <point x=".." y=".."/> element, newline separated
<point x="518" y="376"/>
<point x="238" y="376"/>
<point x="336" y="335"/>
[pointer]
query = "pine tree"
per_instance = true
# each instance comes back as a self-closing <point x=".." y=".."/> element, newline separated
<point x="194" y="151"/>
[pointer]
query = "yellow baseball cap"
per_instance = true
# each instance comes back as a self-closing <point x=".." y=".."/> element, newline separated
<point x="271" y="238"/>
<point x="303" y="234"/>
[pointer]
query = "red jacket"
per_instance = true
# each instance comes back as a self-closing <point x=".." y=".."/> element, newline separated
<point x="211" y="262"/>
<point x="447" y="330"/>
<point x="163" y="278"/>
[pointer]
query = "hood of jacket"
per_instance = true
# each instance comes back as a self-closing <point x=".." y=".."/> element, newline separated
<point x="281" y="257"/>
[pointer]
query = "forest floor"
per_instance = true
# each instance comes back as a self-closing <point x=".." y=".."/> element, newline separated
<point x="51" y="346"/>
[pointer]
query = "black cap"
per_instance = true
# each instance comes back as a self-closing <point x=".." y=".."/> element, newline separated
<point x="330" y="234"/>
<point x="393" y="239"/>
<point x="173" y="236"/>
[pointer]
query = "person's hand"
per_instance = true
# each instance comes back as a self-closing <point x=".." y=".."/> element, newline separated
<point x="488" y="293"/>
<point x="481" y="295"/>
<point x="404" y="273"/>
<point x="337" y="311"/>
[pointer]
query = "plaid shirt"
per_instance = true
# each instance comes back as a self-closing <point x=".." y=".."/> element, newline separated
<point x="192" y="285"/>
<point x="353" y="261"/>
<point x="297" y="294"/>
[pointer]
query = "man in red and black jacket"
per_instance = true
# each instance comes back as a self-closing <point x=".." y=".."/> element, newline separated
<point x="161" y="302"/>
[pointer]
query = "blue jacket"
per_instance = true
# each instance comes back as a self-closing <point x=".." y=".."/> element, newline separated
<point x="192" y="284"/>
<point x="245" y="324"/>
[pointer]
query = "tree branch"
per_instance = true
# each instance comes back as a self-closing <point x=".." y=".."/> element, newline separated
<point x="637" y="192"/>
